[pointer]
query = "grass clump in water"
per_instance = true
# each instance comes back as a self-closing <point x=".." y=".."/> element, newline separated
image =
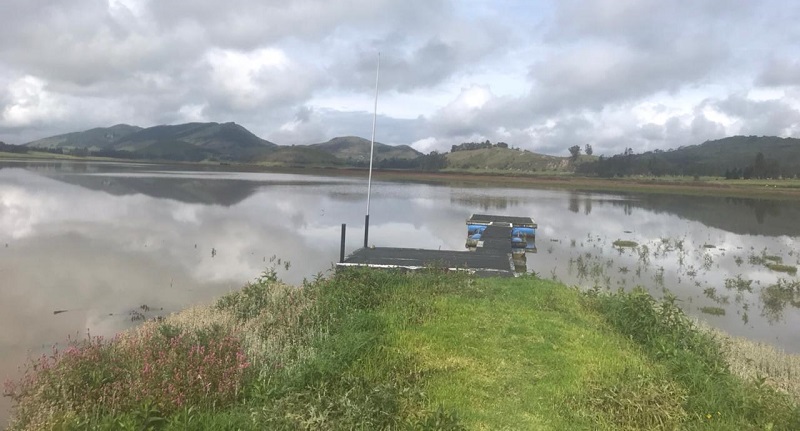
<point x="779" y="267"/>
<point x="620" y="243"/>
<point x="714" y="311"/>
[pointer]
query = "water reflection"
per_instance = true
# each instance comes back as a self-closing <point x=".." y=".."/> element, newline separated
<point x="485" y="203"/>
<point x="744" y="216"/>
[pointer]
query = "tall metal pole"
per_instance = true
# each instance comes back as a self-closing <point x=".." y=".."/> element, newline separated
<point x="371" y="151"/>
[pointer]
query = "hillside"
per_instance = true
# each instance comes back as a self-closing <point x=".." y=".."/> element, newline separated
<point x="355" y="149"/>
<point x="217" y="142"/>
<point x="781" y="156"/>
<point x="298" y="155"/>
<point x="93" y="139"/>
<point x="500" y="159"/>
<point x="185" y="142"/>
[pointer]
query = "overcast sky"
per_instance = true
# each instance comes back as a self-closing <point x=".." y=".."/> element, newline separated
<point x="540" y="75"/>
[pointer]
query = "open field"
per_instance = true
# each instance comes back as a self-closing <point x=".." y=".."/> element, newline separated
<point x="383" y="350"/>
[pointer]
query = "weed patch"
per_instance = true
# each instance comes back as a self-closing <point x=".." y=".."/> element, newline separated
<point x="779" y="267"/>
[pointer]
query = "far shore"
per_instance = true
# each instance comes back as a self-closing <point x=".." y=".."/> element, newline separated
<point x="702" y="186"/>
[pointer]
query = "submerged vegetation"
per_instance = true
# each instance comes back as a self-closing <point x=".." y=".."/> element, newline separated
<point x="790" y="269"/>
<point x="383" y="350"/>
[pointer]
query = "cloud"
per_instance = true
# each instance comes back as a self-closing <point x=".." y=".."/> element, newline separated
<point x="241" y="81"/>
<point x="767" y="117"/>
<point x="540" y="75"/>
<point x="780" y="72"/>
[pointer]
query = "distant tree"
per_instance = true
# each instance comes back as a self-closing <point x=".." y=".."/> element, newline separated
<point x="588" y="149"/>
<point x="502" y="145"/>
<point x="80" y="152"/>
<point x="432" y="161"/>
<point x="574" y="152"/>
<point x="759" y="166"/>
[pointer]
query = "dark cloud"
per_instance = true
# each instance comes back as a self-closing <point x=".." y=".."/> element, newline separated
<point x="596" y="75"/>
<point x="779" y="72"/>
<point x="768" y="117"/>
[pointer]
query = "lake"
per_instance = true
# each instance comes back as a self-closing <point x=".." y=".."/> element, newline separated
<point x="96" y="247"/>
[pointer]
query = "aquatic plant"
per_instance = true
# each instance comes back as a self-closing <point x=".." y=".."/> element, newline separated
<point x="776" y="297"/>
<point x="714" y="311"/>
<point x="625" y="243"/>
<point x="789" y="269"/>
<point x="739" y="284"/>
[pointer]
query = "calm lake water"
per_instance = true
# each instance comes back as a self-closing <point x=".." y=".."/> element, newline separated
<point x="92" y="247"/>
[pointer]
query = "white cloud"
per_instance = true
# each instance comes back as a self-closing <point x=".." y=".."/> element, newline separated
<point x="540" y="75"/>
<point x="29" y="101"/>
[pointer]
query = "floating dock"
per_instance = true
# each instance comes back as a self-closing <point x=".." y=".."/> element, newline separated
<point x="499" y="250"/>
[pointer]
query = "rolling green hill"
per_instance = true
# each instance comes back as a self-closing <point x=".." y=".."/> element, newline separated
<point x="355" y="149"/>
<point x="185" y="142"/>
<point x="93" y="139"/>
<point x="507" y="159"/>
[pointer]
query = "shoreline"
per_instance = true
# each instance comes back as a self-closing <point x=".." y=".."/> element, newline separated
<point x="707" y="186"/>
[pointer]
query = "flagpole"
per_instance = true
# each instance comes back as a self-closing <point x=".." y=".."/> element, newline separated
<point x="371" y="151"/>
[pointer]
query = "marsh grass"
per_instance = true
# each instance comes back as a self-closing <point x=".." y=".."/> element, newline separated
<point x="739" y="284"/>
<point x="776" y="297"/>
<point x="714" y="311"/>
<point x="779" y="267"/>
<point x="625" y="243"/>
<point x="715" y="398"/>
<point x="760" y="363"/>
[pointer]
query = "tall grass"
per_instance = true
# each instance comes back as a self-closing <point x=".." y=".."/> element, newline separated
<point x="696" y="361"/>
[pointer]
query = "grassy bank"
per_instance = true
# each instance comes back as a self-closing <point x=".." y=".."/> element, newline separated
<point x="381" y="350"/>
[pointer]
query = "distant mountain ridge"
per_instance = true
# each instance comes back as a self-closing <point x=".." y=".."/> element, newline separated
<point x="97" y="138"/>
<point x="216" y="142"/>
<point x="732" y="157"/>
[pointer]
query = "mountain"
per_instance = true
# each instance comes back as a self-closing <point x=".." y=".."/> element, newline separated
<point x="226" y="141"/>
<point x="781" y="156"/>
<point x="355" y="149"/>
<point x="191" y="142"/>
<point x="93" y="139"/>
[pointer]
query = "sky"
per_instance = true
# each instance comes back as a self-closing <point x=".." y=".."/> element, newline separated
<point x="539" y="75"/>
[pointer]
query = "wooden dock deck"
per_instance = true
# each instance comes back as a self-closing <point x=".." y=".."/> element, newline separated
<point x="492" y="257"/>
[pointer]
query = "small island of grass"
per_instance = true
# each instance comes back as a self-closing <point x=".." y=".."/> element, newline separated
<point x="625" y="243"/>
<point x="779" y="267"/>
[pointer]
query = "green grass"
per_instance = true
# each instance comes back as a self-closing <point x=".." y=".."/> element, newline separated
<point x="382" y="350"/>
<point x="789" y="269"/>
<point x="714" y="311"/>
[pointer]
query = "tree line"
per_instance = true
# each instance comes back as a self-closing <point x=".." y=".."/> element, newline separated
<point x="660" y="163"/>
<point x="466" y="146"/>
